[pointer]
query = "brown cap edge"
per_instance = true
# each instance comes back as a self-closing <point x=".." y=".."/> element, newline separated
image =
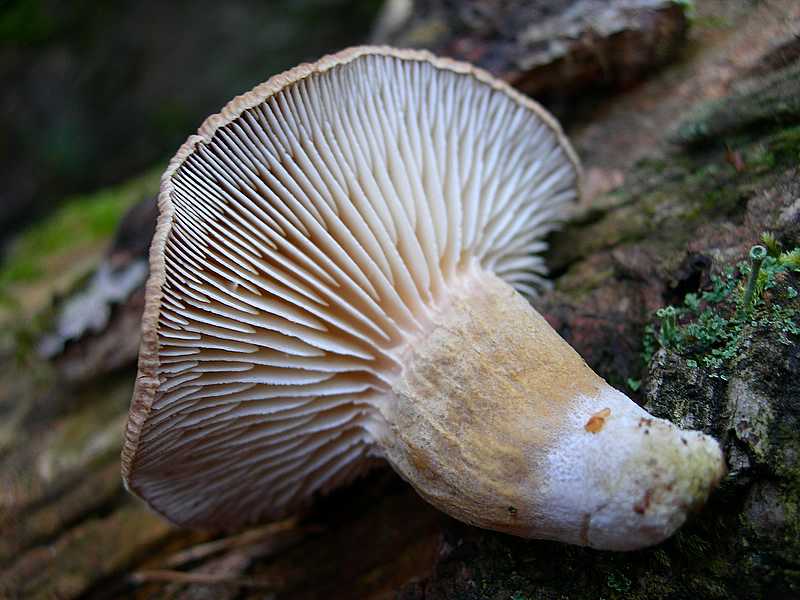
<point x="147" y="380"/>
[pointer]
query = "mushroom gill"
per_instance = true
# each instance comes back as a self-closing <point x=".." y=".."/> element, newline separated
<point x="331" y="284"/>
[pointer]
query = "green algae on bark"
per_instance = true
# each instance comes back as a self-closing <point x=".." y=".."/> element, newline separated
<point x="772" y="100"/>
<point x="86" y="221"/>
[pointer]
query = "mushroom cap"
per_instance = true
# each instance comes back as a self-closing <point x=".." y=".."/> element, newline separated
<point x="305" y="237"/>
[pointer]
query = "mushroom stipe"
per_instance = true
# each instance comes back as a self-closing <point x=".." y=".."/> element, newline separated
<point x="336" y="281"/>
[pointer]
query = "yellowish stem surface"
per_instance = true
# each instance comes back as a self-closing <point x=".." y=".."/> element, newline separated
<point x="500" y="423"/>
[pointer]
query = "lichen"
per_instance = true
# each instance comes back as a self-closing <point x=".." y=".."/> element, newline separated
<point x="708" y="329"/>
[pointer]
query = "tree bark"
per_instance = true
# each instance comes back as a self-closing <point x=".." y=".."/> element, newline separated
<point x="683" y="174"/>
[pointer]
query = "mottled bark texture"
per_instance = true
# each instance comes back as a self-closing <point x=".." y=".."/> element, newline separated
<point x="549" y="49"/>
<point x="684" y="173"/>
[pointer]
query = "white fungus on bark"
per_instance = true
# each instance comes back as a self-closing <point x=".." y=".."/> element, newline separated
<point x="331" y="286"/>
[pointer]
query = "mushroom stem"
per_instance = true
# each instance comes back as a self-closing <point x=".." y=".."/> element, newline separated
<point x="500" y="423"/>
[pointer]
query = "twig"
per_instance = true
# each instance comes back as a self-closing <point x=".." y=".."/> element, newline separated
<point x="235" y="541"/>
<point x="170" y="576"/>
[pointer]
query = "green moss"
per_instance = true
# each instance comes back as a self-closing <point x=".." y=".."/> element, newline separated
<point x="789" y="500"/>
<point x="688" y="7"/>
<point x="664" y="199"/>
<point x="711" y="22"/>
<point x="654" y="164"/>
<point x="618" y="582"/>
<point x="633" y="384"/>
<point x="786" y="143"/>
<point x="768" y="102"/>
<point x="771" y="244"/>
<point x="80" y="221"/>
<point x="782" y="147"/>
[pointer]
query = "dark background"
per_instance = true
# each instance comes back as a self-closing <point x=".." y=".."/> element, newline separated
<point x="95" y="92"/>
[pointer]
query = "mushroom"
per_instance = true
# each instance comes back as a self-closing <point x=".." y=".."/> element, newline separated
<point x="335" y="281"/>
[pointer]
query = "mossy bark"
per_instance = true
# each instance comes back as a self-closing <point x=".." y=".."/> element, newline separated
<point x="683" y="214"/>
